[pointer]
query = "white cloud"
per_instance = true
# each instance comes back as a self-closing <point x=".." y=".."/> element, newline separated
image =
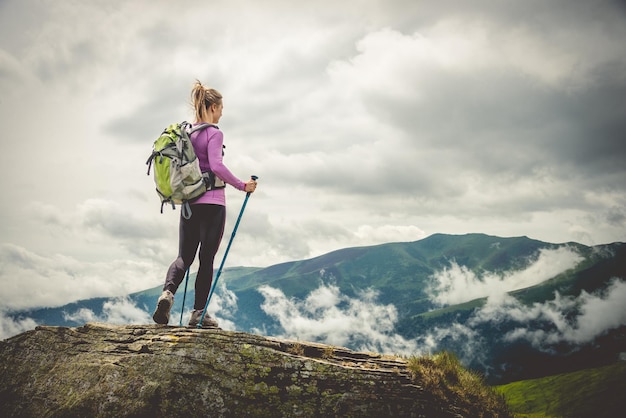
<point x="10" y="326"/>
<point x="328" y="316"/>
<point x="571" y="320"/>
<point x="223" y="306"/>
<point x="545" y="325"/>
<point x="372" y="235"/>
<point x="471" y="343"/>
<point x="458" y="284"/>
<point x="124" y="311"/>
<point x="119" y="311"/>
<point x="31" y="280"/>
<point x="83" y="315"/>
<point x="564" y="319"/>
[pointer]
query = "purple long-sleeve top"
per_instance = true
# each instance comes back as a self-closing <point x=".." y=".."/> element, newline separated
<point x="208" y="144"/>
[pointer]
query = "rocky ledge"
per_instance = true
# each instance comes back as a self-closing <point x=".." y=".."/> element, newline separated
<point x="101" y="370"/>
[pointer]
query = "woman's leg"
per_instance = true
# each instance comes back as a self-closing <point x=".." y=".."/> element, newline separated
<point x="188" y="240"/>
<point x="210" y="236"/>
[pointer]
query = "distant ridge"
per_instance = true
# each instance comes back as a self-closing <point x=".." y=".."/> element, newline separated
<point x="401" y="274"/>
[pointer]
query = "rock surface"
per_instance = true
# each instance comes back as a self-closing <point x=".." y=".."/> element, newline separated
<point x="101" y="370"/>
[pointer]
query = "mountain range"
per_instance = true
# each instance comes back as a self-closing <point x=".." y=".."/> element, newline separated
<point x="511" y="308"/>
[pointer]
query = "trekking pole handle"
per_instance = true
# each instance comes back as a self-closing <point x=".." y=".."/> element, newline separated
<point x="254" y="178"/>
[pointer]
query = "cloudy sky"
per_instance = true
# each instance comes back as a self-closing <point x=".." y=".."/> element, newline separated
<point x="366" y="121"/>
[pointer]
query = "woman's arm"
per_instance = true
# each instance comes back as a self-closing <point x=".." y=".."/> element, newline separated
<point x="216" y="164"/>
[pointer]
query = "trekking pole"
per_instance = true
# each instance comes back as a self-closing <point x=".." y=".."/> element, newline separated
<point x="219" y="271"/>
<point x="182" y="308"/>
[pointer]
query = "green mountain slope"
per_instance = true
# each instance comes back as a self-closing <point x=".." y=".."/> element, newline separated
<point x="601" y="265"/>
<point x="597" y="392"/>
<point x="401" y="273"/>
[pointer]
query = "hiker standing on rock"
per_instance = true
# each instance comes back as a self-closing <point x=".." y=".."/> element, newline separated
<point x="205" y="227"/>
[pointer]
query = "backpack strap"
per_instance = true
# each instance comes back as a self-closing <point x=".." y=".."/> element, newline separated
<point x="201" y="126"/>
<point x="149" y="163"/>
<point x="187" y="130"/>
<point x="185" y="210"/>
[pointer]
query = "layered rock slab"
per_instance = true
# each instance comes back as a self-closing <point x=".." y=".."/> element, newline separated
<point x="102" y="370"/>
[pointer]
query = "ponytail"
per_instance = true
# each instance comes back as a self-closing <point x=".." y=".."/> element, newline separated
<point x="203" y="98"/>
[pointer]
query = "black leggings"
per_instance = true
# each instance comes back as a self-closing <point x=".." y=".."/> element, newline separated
<point x="204" y="228"/>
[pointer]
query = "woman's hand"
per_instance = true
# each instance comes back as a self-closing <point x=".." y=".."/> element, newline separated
<point x="250" y="186"/>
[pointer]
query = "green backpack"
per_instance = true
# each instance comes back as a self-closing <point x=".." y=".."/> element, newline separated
<point x="177" y="173"/>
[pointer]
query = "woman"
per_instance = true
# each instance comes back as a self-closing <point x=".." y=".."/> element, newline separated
<point x="206" y="224"/>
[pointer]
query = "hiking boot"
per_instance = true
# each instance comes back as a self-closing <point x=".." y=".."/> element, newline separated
<point x="207" y="322"/>
<point x="164" y="304"/>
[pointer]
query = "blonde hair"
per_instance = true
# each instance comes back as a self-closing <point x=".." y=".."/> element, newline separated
<point x="202" y="99"/>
